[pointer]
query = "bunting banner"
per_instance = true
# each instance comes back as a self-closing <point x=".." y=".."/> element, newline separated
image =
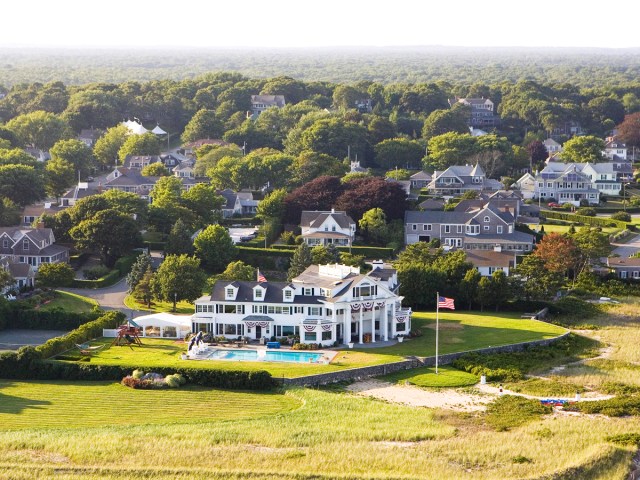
<point x="380" y="304"/>
<point x="326" y="328"/>
<point x="355" y="307"/>
<point x="309" y="328"/>
<point x="262" y="324"/>
<point x="250" y="324"/>
<point x="367" y="305"/>
<point x="401" y="318"/>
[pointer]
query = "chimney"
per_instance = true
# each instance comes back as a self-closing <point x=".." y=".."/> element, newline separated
<point x="333" y="210"/>
<point x="40" y="225"/>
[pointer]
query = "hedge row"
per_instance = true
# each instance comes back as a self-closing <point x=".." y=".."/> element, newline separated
<point x="17" y="316"/>
<point x="26" y="365"/>
<point x="367" y="252"/>
<point x="81" y="334"/>
<point x="594" y="221"/>
<point x="155" y="245"/>
<point x="617" y="209"/>
<point x="266" y="252"/>
<point x="122" y="267"/>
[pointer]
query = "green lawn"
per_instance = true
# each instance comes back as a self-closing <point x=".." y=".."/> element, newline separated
<point x="70" y="302"/>
<point x="447" y="377"/>
<point x="458" y="332"/>
<point x="73" y="404"/>
<point x="565" y="229"/>
<point x="158" y="306"/>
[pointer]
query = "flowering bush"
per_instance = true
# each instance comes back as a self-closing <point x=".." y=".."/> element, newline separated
<point x="139" y="379"/>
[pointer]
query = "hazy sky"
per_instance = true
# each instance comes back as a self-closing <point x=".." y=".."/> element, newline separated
<point x="305" y="23"/>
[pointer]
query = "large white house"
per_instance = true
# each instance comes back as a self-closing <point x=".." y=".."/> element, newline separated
<point x="325" y="304"/>
<point x="323" y="228"/>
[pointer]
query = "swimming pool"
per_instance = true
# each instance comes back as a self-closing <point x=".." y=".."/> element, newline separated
<point x="262" y="356"/>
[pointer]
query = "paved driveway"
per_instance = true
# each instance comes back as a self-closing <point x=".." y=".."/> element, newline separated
<point x="15" y="338"/>
<point x="628" y="248"/>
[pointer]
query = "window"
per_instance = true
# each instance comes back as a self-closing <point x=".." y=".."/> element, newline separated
<point x="365" y="291"/>
<point x="400" y="327"/>
<point x="414" y="227"/>
<point x="230" y="329"/>
<point x="427" y="227"/>
<point x="623" y="274"/>
<point x="326" y="335"/>
<point x="499" y="228"/>
<point x="230" y="292"/>
<point x="5" y="243"/>
<point x="473" y="229"/>
<point x="486" y="227"/>
<point x="25" y="244"/>
<point x="636" y="274"/>
<point x="447" y="229"/>
<point x="315" y="311"/>
<point x="310" y="336"/>
<point x="308" y="291"/>
<point x="278" y="310"/>
<point x="298" y="309"/>
<point x="284" y="330"/>
<point x="459" y="229"/>
<point x="258" y="309"/>
<point x="486" y="219"/>
<point x="258" y="293"/>
<point x="288" y="294"/>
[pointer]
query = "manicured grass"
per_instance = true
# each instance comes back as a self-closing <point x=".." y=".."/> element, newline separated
<point x="89" y="404"/>
<point x="447" y="377"/>
<point x="458" y="332"/>
<point x="565" y="229"/>
<point x="553" y="387"/>
<point x="331" y="435"/>
<point x="70" y="302"/>
<point x="158" y="306"/>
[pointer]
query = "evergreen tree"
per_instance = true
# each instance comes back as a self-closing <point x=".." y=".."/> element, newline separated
<point x="143" y="291"/>
<point x="334" y="253"/>
<point x="301" y="260"/>
<point x="179" y="240"/>
<point x="138" y="270"/>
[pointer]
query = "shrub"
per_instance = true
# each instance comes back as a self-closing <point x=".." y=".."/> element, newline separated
<point x="586" y="211"/>
<point x="632" y="439"/>
<point x="622" y="216"/>
<point x="96" y="272"/>
<point x="613" y="407"/>
<point x="306" y="346"/>
<point x="511" y="411"/>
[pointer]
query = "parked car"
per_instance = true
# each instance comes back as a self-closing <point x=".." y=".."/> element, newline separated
<point x="554" y="205"/>
<point x="246" y="238"/>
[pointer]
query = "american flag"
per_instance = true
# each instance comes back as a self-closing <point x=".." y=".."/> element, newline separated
<point x="261" y="277"/>
<point x="444" y="302"/>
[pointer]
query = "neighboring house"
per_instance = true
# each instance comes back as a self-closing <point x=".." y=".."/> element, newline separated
<point x="488" y="261"/>
<point x="259" y="103"/>
<point x="23" y="274"/>
<point x="573" y="182"/>
<point x="189" y="149"/>
<point x="326" y="304"/>
<point x="552" y="146"/>
<point x="567" y="129"/>
<point x="431" y="204"/>
<point x="88" y="136"/>
<point x="130" y="180"/>
<point x="458" y="179"/>
<point x="139" y="161"/>
<point x="78" y="192"/>
<point x="477" y="132"/>
<point x="481" y="111"/>
<point x="171" y="160"/>
<point x="615" y="150"/>
<point x="485" y="228"/>
<point x="39" y="155"/>
<point x="363" y="105"/>
<point x="240" y="204"/>
<point x="184" y="170"/>
<point x="32" y="246"/>
<point x="323" y="228"/>
<point x="624" y="267"/>
<point x="420" y="179"/>
<point x="31" y="213"/>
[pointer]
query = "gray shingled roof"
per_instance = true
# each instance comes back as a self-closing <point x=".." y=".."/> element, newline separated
<point x="245" y="292"/>
<point x="317" y="218"/>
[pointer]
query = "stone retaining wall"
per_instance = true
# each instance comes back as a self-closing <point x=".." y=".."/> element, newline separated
<point x="377" y="370"/>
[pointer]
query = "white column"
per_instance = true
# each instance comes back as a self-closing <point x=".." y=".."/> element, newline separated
<point x="346" y="322"/>
<point x="385" y="327"/>
<point x="360" y="326"/>
<point x="373" y="323"/>
<point x="393" y="319"/>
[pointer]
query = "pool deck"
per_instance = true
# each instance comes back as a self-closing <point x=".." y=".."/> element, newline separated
<point x="205" y="350"/>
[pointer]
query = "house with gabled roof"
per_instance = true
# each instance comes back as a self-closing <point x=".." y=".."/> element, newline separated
<point x="552" y="146"/>
<point x="481" y="111"/>
<point x="484" y="228"/>
<point x="140" y="161"/>
<point x="615" y="149"/>
<point x="33" y="246"/>
<point x="259" y="103"/>
<point x="458" y="179"/>
<point x="489" y="261"/>
<point x="324" y="228"/>
<point x="326" y="304"/>
<point x="420" y="179"/>
<point x="89" y="136"/>
<point x="240" y="204"/>
<point x="624" y="267"/>
<point x="23" y="274"/>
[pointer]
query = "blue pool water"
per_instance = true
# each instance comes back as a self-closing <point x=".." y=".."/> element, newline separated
<point x="269" y="356"/>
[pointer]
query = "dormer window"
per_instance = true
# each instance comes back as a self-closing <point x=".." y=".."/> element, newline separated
<point x="258" y="293"/>
<point x="230" y="293"/>
<point x="287" y="294"/>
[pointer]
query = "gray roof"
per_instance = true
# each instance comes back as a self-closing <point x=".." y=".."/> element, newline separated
<point x="515" y="237"/>
<point x="317" y="218"/>
<point x="245" y="292"/>
<point x="422" y="175"/>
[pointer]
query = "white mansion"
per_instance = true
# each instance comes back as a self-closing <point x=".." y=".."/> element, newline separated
<point x="325" y="304"/>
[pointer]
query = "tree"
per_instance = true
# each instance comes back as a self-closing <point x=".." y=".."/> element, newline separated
<point x="204" y="124"/>
<point x="204" y="202"/>
<point x="629" y="130"/>
<point x="606" y="108"/>
<point x="485" y="292"/>
<point x="318" y="194"/>
<point x="21" y="183"/>
<point x="208" y="160"/>
<point x="450" y="149"/>
<point x="179" y="240"/>
<point x="320" y="255"/>
<point x="146" y="144"/>
<point x="143" y="291"/>
<point x="109" y="232"/>
<point x="155" y="169"/>
<point x="60" y="175"/>
<point x="398" y="152"/>
<point x="591" y="245"/>
<point x="294" y="91"/>
<point x="108" y="145"/>
<point x="500" y="287"/>
<point x="74" y="152"/>
<point x="335" y="137"/>
<point x="238" y="270"/>
<point x="448" y="120"/>
<point x="537" y="282"/>
<point x="16" y="156"/>
<point x="214" y="247"/>
<point x="373" y="225"/>
<point x="537" y="152"/>
<point x="309" y="165"/>
<point x="583" y="149"/>
<point x="300" y="261"/>
<point x="469" y="287"/>
<point x="54" y="275"/>
<point x="271" y="211"/>
<point x="166" y="192"/>
<point x="558" y="252"/>
<point x="39" y="129"/>
<point x="363" y="194"/>
<point x="381" y="129"/>
<point x="138" y="269"/>
<point x="178" y="278"/>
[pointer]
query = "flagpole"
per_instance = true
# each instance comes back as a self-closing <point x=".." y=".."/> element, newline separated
<point x="437" y="326"/>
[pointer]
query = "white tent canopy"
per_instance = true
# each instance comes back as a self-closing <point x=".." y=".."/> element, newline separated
<point x="135" y="127"/>
<point x="164" y="325"/>
<point x="158" y="131"/>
